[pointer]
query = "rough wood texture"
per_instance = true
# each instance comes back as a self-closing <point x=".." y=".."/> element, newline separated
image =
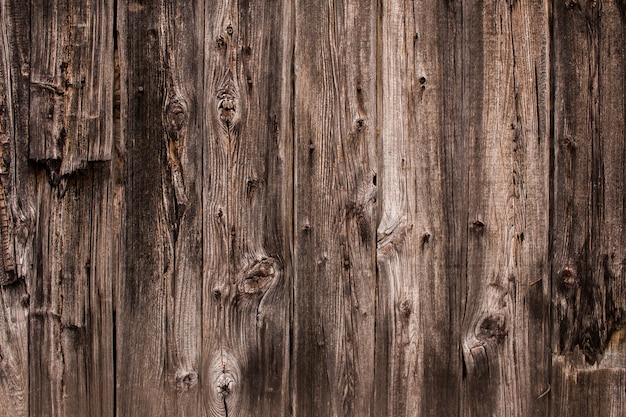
<point x="247" y="208"/>
<point x="417" y="357"/>
<point x="505" y="330"/>
<point x="14" y="297"/>
<point x="182" y="118"/>
<point x="589" y="210"/>
<point x="310" y="209"/>
<point x="335" y="208"/>
<point x="71" y="83"/>
<point x="142" y="287"/>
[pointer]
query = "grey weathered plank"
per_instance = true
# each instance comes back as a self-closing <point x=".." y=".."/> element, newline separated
<point x="247" y="206"/>
<point x="335" y="208"/>
<point x="505" y="334"/>
<point x="589" y="290"/>
<point x="16" y="233"/>
<point x="418" y="371"/>
<point x="71" y="79"/>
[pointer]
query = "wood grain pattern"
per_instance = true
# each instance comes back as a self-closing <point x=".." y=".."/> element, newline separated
<point x="335" y="205"/>
<point x="71" y="366"/>
<point x="182" y="118"/>
<point x="505" y="330"/>
<point x="305" y="208"/>
<point x="71" y="83"/>
<point x="142" y="286"/>
<point x="589" y="290"/>
<point x="14" y="297"/>
<point x="418" y="368"/>
<point x="248" y="190"/>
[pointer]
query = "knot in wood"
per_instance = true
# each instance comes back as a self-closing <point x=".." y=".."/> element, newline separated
<point x="176" y="117"/>
<point x="185" y="380"/>
<point x="478" y="227"/>
<point x="226" y="107"/>
<point x="258" y="276"/>
<point x="224" y="384"/>
<point x="406" y="306"/>
<point x="493" y="328"/>
<point x="568" y="277"/>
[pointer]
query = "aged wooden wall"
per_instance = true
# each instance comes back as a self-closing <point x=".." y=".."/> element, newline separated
<point x="313" y="208"/>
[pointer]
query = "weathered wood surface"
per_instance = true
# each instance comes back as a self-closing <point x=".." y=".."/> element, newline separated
<point x="505" y="331"/>
<point x="421" y="207"/>
<point x="589" y="209"/>
<point x="341" y="208"/>
<point x="247" y="194"/>
<point x="335" y="208"/>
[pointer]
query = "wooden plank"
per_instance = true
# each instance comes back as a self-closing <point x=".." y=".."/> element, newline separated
<point x="146" y="253"/>
<point x="248" y="208"/>
<point x="17" y="225"/>
<point x="335" y="208"/>
<point x="71" y="353"/>
<point x="589" y="291"/>
<point x="418" y="370"/>
<point x="71" y="332"/>
<point x="505" y="332"/>
<point x="182" y="45"/>
<point x="71" y="82"/>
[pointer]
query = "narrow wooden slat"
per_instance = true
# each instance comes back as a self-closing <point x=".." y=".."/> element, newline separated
<point x="335" y="208"/>
<point x="418" y="364"/>
<point x="505" y="333"/>
<point x="182" y="45"/>
<point x="16" y="226"/>
<point x="248" y="208"/>
<point x="146" y="253"/>
<point x="71" y="82"/>
<point x="589" y="290"/>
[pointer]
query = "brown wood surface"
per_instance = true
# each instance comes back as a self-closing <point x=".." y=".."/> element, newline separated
<point x="335" y="208"/>
<point x="306" y="208"/>
<point x="247" y="192"/>
<point x="589" y="203"/>
<point x="418" y="264"/>
<point x="17" y="228"/>
<point x="505" y="331"/>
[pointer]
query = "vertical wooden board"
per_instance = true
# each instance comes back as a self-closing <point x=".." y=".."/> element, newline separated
<point x="182" y="43"/>
<point x="71" y="335"/>
<point x="14" y="379"/>
<point x="609" y="198"/>
<point x="335" y="208"/>
<point x="219" y="373"/>
<point x="418" y="371"/>
<point x="71" y="79"/>
<point x="589" y="208"/>
<point x="141" y="288"/>
<point x="71" y="82"/>
<point x="248" y="193"/>
<point x="505" y="334"/>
